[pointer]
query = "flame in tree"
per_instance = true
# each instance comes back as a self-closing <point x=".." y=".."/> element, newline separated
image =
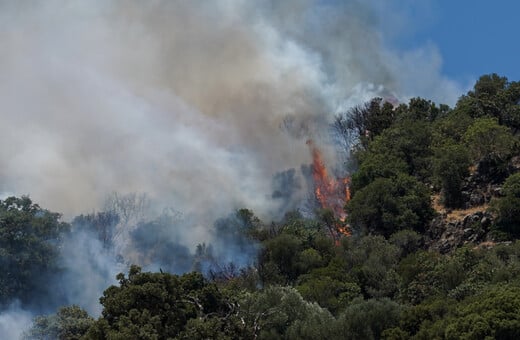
<point x="332" y="193"/>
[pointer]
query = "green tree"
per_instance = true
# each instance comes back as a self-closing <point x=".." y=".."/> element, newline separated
<point x="508" y="206"/>
<point x="493" y="96"/>
<point x="451" y="166"/>
<point x="376" y="165"/>
<point x="407" y="241"/>
<point x="29" y="241"/>
<point x="328" y="292"/>
<point x="279" y="260"/>
<point x="156" y="305"/>
<point x="364" y="121"/>
<point x="282" y="313"/>
<point x="450" y="129"/>
<point x="417" y="272"/>
<point x="421" y="109"/>
<point x="69" y="323"/>
<point x="367" y="319"/>
<point x="489" y="141"/>
<point x="427" y="320"/>
<point x="410" y="141"/>
<point x="371" y="262"/>
<point x="493" y="314"/>
<point x="388" y="205"/>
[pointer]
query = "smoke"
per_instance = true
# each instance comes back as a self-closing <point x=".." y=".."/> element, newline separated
<point x="182" y="100"/>
<point x="89" y="269"/>
<point x="14" y="321"/>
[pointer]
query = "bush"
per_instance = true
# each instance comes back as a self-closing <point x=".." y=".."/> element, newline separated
<point x="388" y="205"/>
<point x="451" y="166"/>
<point x="508" y="206"/>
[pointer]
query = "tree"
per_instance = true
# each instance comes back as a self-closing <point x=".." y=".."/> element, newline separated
<point x="493" y="314"/>
<point x="508" y="206"/>
<point x="69" y="323"/>
<point x="409" y="141"/>
<point x="417" y="276"/>
<point x="234" y="238"/>
<point x="103" y="224"/>
<point x="371" y="262"/>
<point x="450" y="129"/>
<point x="156" y="305"/>
<point x="364" y="121"/>
<point x="489" y="141"/>
<point x="493" y="96"/>
<point x="29" y="247"/>
<point x="279" y="259"/>
<point x="367" y="319"/>
<point x="424" y="321"/>
<point x="327" y="291"/>
<point x="421" y="109"/>
<point x="451" y="166"/>
<point x="153" y="242"/>
<point x="388" y="205"/>
<point x="282" y="313"/>
<point x="131" y="208"/>
<point x="376" y="165"/>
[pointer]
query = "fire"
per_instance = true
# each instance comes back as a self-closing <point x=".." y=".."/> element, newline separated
<point x="331" y="193"/>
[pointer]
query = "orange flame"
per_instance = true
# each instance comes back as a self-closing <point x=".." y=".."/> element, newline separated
<point x="331" y="193"/>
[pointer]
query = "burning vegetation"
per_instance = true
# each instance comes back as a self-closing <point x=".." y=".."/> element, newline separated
<point x="331" y="193"/>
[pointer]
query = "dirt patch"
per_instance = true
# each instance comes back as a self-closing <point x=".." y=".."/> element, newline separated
<point x="453" y="215"/>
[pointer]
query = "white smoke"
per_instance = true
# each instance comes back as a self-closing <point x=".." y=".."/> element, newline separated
<point x="14" y="321"/>
<point x="182" y="100"/>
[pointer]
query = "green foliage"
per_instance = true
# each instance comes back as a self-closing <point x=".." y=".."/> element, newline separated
<point x="450" y="129"/>
<point x="69" y="323"/>
<point x="426" y="320"/>
<point x="487" y="140"/>
<point x="376" y="165"/>
<point x="281" y="313"/>
<point x="408" y="241"/>
<point x="508" y="206"/>
<point x="409" y="141"/>
<point x="29" y="241"/>
<point x="371" y="262"/>
<point x="388" y="205"/>
<point x="493" y="314"/>
<point x="493" y="96"/>
<point x="367" y="319"/>
<point x="156" y="305"/>
<point x="421" y="109"/>
<point x="279" y="259"/>
<point x="416" y="272"/>
<point x="328" y="292"/>
<point x="451" y="166"/>
<point x="365" y="121"/>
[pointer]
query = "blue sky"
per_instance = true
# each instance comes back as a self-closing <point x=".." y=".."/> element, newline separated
<point x="473" y="37"/>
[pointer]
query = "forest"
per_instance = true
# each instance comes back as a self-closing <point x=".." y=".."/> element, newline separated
<point x="423" y="244"/>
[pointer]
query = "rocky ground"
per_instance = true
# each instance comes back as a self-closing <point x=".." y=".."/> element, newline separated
<point x="453" y="228"/>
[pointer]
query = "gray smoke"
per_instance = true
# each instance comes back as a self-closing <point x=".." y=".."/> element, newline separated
<point x="180" y="99"/>
<point x="14" y="321"/>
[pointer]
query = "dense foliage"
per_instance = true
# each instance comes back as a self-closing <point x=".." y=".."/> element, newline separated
<point x="29" y="245"/>
<point x="384" y="281"/>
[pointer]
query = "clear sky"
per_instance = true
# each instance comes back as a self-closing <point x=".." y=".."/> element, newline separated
<point x="473" y="37"/>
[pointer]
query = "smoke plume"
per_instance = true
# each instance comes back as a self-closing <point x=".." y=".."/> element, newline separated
<point x="182" y="100"/>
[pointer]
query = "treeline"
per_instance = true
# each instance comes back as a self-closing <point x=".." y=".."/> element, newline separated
<point x="380" y="283"/>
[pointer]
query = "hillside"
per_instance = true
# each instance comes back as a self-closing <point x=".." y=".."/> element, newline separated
<point x="420" y="241"/>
